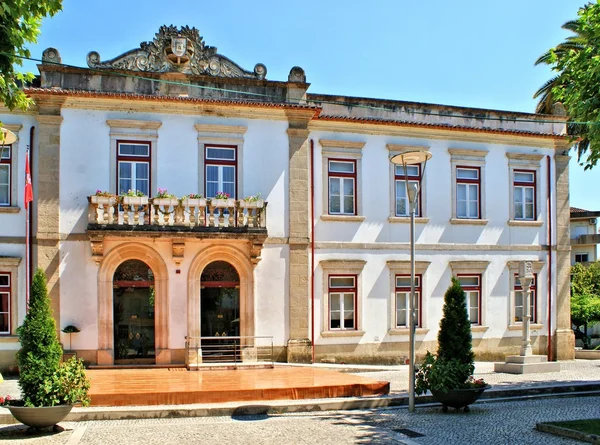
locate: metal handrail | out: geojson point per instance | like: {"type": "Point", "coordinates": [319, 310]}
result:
{"type": "Point", "coordinates": [230, 351]}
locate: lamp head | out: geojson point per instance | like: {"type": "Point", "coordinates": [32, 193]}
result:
{"type": "Point", "coordinates": [411, 157]}
{"type": "Point", "coordinates": [7, 137]}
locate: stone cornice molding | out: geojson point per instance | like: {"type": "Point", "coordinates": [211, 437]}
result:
{"type": "Point", "coordinates": [524, 156]}
{"type": "Point", "coordinates": [332, 143]}
{"type": "Point", "coordinates": [402, 148]}
{"type": "Point", "coordinates": [9, 261]}
{"type": "Point", "coordinates": [225, 129]}
{"type": "Point", "coordinates": [345, 265]}
{"type": "Point", "coordinates": [463, 153]}
{"type": "Point", "coordinates": [12, 127]}
{"type": "Point", "coordinates": [403, 267]}
{"type": "Point", "coordinates": [513, 266]}
{"type": "Point", "coordinates": [468, 266]}
{"type": "Point", "coordinates": [49, 119]}
{"type": "Point", "coordinates": [134, 123]}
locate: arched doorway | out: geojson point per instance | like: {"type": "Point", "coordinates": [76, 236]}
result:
{"type": "Point", "coordinates": [133, 313]}
{"type": "Point", "coordinates": [219, 309]}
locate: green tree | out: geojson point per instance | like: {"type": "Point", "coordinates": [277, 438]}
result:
{"type": "Point", "coordinates": [576, 62]}
{"type": "Point", "coordinates": [585, 299]}
{"type": "Point", "coordinates": [40, 353]}
{"type": "Point", "coordinates": [20, 22]}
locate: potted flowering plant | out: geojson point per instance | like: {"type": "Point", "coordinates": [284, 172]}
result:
{"type": "Point", "coordinates": [449, 374]}
{"type": "Point", "coordinates": [165, 199]}
{"type": "Point", "coordinates": [252, 201]}
{"type": "Point", "coordinates": [222, 199]}
{"type": "Point", "coordinates": [103, 198]}
{"type": "Point", "coordinates": [134, 198]}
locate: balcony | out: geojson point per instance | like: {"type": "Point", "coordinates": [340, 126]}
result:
{"type": "Point", "coordinates": [586, 239]}
{"type": "Point", "coordinates": [133, 216]}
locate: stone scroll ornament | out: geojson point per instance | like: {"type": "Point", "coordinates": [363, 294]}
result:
{"type": "Point", "coordinates": [177, 50]}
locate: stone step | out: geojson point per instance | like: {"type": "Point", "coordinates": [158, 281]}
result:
{"type": "Point", "coordinates": [527, 368]}
{"type": "Point", "coordinates": [526, 359]}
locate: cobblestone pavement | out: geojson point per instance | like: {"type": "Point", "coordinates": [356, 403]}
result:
{"type": "Point", "coordinates": [488, 423]}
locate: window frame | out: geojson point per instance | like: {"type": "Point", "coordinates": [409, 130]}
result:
{"type": "Point", "coordinates": [521, 184]}
{"type": "Point", "coordinates": [533, 299]}
{"type": "Point", "coordinates": [587, 256]}
{"type": "Point", "coordinates": [411, 178]}
{"type": "Point", "coordinates": [134, 159]}
{"type": "Point", "coordinates": [9, 163]}
{"type": "Point", "coordinates": [468, 181]}
{"type": "Point", "coordinates": [8, 291]}
{"type": "Point", "coordinates": [343, 291]}
{"type": "Point", "coordinates": [479, 289]}
{"type": "Point", "coordinates": [221, 162]}
{"type": "Point", "coordinates": [406, 289]}
{"type": "Point", "coordinates": [341, 176]}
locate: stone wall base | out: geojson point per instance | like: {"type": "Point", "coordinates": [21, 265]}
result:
{"type": "Point", "coordinates": [299, 351]}
{"type": "Point", "coordinates": [564, 344]}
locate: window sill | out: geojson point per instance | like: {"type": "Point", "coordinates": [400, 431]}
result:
{"type": "Point", "coordinates": [406, 331]}
{"type": "Point", "coordinates": [524, 223]}
{"type": "Point", "coordinates": [342, 333]}
{"type": "Point", "coordinates": [343, 218]}
{"type": "Point", "coordinates": [406, 219]}
{"type": "Point", "coordinates": [519, 327]}
{"type": "Point", "coordinates": [9, 339]}
{"type": "Point", "coordinates": [479, 328]}
{"type": "Point", "coordinates": [9, 209]}
{"type": "Point", "coordinates": [471, 222]}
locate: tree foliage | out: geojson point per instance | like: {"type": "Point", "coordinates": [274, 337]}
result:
{"type": "Point", "coordinates": [40, 353]}
{"type": "Point", "coordinates": [20, 22]}
{"type": "Point", "coordinates": [576, 62]}
{"type": "Point", "coordinates": [585, 299]}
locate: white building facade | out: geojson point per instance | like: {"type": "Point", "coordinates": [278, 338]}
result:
{"type": "Point", "coordinates": [323, 265]}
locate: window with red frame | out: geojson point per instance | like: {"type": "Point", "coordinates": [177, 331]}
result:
{"type": "Point", "coordinates": [5, 176]}
{"type": "Point", "coordinates": [413, 174]}
{"type": "Point", "coordinates": [468, 187]}
{"type": "Point", "coordinates": [220, 163]}
{"type": "Point", "coordinates": [133, 167]}
{"type": "Point", "coordinates": [342, 302]}
{"type": "Point", "coordinates": [524, 185]}
{"type": "Point", "coordinates": [342, 187]}
{"type": "Point", "coordinates": [520, 299]}
{"type": "Point", "coordinates": [5, 303]}
{"type": "Point", "coordinates": [471, 284]}
{"type": "Point", "coordinates": [403, 300]}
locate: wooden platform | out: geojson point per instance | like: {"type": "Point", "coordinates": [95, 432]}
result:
{"type": "Point", "coordinates": [177, 386]}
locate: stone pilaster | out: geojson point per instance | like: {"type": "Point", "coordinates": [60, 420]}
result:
{"type": "Point", "coordinates": [46, 208]}
{"type": "Point", "coordinates": [564, 339]}
{"type": "Point", "coordinates": [299, 350]}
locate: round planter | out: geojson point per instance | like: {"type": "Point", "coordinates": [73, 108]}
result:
{"type": "Point", "coordinates": [458, 398]}
{"type": "Point", "coordinates": [40, 417]}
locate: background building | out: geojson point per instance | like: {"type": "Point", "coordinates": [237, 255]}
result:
{"type": "Point", "coordinates": [584, 235]}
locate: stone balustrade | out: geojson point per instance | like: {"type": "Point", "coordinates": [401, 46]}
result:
{"type": "Point", "coordinates": [178, 213]}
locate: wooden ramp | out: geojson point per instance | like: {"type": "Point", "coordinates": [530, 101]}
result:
{"type": "Point", "coordinates": [177, 386]}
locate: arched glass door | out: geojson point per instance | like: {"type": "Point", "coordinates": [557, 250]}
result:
{"type": "Point", "coordinates": [133, 313]}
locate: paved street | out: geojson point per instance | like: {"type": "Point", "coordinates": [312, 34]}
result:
{"type": "Point", "coordinates": [488, 423]}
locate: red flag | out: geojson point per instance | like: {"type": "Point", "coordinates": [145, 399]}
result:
{"type": "Point", "coordinates": [28, 188]}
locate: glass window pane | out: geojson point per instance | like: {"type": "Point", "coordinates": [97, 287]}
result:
{"type": "Point", "coordinates": [348, 186]}
{"type": "Point", "coordinates": [401, 208]}
{"type": "Point", "coordinates": [212, 173]}
{"type": "Point", "coordinates": [348, 302]}
{"type": "Point", "coordinates": [461, 192]}
{"type": "Point", "coordinates": [141, 185]}
{"type": "Point", "coordinates": [341, 282]}
{"type": "Point", "coordinates": [134, 150]}
{"type": "Point", "coordinates": [334, 204]}
{"type": "Point", "coordinates": [473, 192]}
{"type": "Point", "coordinates": [348, 205]}
{"type": "Point", "coordinates": [518, 210]}
{"type": "Point", "coordinates": [473, 209]}
{"type": "Point", "coordinates": [229, 188]}
{"type": "Point", "coordinates": [125, 170]}
{"type": "Point", "coordinates": [212, 189]}
{"type": "Point", "coordinates": [141, 170]}
{"type": "Point", "coordinates": [411, 170]}
{"type": "Point", "coordinates": [4, 299]}
{"type": "Point", "coordinates": [5, 152]}
{"type": "Point", "coordinates": [474, 299]}
{"type": "Point", "coordinates": [474, 315]}
{"type": "Point", "coordinates": [228, 173]}
{"type": "Point", "coordinates": [467, 173]}
{"type": "Point", "coordinates": [402, 300]}
{"type": "Point", "coordinates": [334, 303]}
{"type": "Point", "coordinates": [341, 167]}
{"type": "Point", "coordinates": [4, 194]}
{"type": "Point", "coordinates": [401, 318]}
{"type": "Point", "coordinates": [4, 280]}
{"type": "Point", "coordinates": [4, 174]}
{"type": "Point", "coordinates": [124, 185]}
{"type": "Point", "coordinates": [349, 319]}
{"type": "Point", "coordinates": [334, 186]}
{"type": "Point", "coordinates": [529, 211]}
{"type": "Point", "coordinates": [518, 194]}
{"type": "Point", "coordinates": [4, 327]}
{"type": "Point", "coordinates": [461, 209]}
{"type": "Point", "coordinates": [523, 177]}
{"type": "Point", "coordinates": [227, 154]}
{"type": "Point", "coordinates": [518, 298]}
{"type": "Point", "coordinates": [528, 194]}
{"type": "Point", "coordinates": [403, 281]}
{"type": "Point", "coordinates": [400, 189]}
{"type": "Point", "coordinates": [468, 281]}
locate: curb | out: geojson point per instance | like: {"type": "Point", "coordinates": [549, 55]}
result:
{"type": "Point", "coordinates": [566, 432]}
{"type": "Point", "coordinates": [80, 414]}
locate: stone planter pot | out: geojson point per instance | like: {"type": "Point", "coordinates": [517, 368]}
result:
{"type": "Point", "coordinates": [165, 202]}
{"type": "Point", "coordinates": [103, 200]}
{"type": "Point", "coordinates": [458, 398]}
{"type": "Point", "coordinates": [194, 202]}
{"type": "Point", "coordinates": [40, 417]}
{"type": "Point", "coordinates": [135, 200]}
{"type": "Point", "coordinates": [252, 204]}
{"type": "Point", "coordinates": [229, 202]}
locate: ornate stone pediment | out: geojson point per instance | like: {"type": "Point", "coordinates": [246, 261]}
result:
{"type": "Point", "coordinates": [177, 50]}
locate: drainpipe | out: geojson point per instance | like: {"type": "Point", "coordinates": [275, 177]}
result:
{"type": "Point", "coordinates": [312, 246]}
{"type": "Point", "coordinates": [549, 259]}
{"type": "Point", "coordinates": [30, 212]}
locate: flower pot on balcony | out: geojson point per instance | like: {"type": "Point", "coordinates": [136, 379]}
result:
{"type": "Point", "coordinates": [194, 202]}
{"type": "Point", "coordinates": [228, 202]}
{"type": "Point", "coordinates": [258, 204]}
{"type": "Point", "coordinates": [103, 200]}
{"type": "Point", "coordinates": [458, 398]}
{"type": "Point", "coordinates": [165, 202]}
{"type": "Point", "coordinates": [40, 417]}
{"type": "Point", "coordinates": [135, 200]}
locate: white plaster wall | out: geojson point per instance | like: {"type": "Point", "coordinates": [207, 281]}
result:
{"type": "Point", "coordinates": [79, 294]}
{"type": "Point", "coordinates": [85, 163]}
{"type": "Point", "coordinates": [17, 251]}
{"type": "Point", "coordinates": [376, 191]}
{"type": "Point", "coordinates": [376, 305]}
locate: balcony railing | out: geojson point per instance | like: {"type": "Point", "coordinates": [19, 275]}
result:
{"type": "Point", "coordinates": [586, 239]}
{"type": "Point", "coordinates": [134, 211]}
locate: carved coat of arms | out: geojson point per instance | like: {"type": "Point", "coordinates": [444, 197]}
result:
{"type": "Point", "coordinates": [179, 45]}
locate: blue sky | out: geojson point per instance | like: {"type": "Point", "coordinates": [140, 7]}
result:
{"type": "Point", "coordinates": [474, 53]}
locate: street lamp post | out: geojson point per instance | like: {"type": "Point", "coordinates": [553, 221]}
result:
{"type": "Point", "coordinates": [412, 192]}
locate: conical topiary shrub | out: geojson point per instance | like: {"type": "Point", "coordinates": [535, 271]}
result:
{"type": "Point", "coordinates": [40, 353]}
